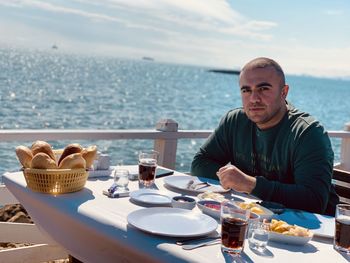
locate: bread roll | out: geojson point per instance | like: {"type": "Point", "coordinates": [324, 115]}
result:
{"type": "Point", "coordinates": [89, 154]}
{"type": "Point", "coordinates": [43, 161]}
{"type": "Point", "coordinates": [44, 147]}
{"type": "Point", "coordinates": [73, 161]}
{"type": "Point", "coordinates": [70, 149]}
{"type": "Point", "coordinates": [24, 155]}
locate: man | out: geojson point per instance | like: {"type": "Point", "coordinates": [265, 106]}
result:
{"type": "Point", "coordinates": [275, 151]}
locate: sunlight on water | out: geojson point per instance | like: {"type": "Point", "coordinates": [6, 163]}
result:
{"type": "Point", "coordinates": [56, 91]}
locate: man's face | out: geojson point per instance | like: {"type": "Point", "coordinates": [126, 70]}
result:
{"type": "Point", "coordinates": [262, 97]}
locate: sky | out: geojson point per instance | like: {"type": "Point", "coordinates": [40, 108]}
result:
{"type": "Point", "coordinates": [309, 37]}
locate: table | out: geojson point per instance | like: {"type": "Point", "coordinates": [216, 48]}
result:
{"type": "Point", "coordinates": [94, 228]}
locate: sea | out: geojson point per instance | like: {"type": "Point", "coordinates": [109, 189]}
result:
{"type": "Point", "coordinates": [54, 90]}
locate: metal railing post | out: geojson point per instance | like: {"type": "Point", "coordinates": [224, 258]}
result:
{"type": "Point", "coordinates": [345, 150]}
{"type": "Point", "coordinates": [166, 147]}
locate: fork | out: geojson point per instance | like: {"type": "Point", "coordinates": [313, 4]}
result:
{"type": "Point", "coordinates": [191, 185]}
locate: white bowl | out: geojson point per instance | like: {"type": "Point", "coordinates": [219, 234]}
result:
{"type": "Point", "coordinates": [184, 202]}
{"type": "Point", "coordinates": [212, 208]}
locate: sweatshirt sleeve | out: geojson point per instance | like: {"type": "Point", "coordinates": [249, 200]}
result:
{"type": "Point", "coordinates": [214, 153]}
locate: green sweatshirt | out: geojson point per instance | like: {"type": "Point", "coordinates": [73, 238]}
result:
{"type": "Point", "coordinates": [292, 162]}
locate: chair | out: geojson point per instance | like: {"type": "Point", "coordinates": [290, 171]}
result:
{"type": "Point", "coordinates": [341, 182]}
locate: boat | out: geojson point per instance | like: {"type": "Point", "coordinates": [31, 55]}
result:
{"type": "Point", "coordinates": [148, 58]}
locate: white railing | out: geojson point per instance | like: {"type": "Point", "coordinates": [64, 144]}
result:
{"type": "Point", "coordinates": [165, 138]}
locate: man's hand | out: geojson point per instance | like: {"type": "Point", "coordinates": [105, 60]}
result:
{"type": "Point", "coordinates": [233, 178]}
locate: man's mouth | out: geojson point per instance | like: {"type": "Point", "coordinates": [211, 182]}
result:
{"type": "Point", "coordinates": [256, 108]}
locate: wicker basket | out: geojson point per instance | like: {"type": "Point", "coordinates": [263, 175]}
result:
{"type": "Point", "coordinates": [55, 181]}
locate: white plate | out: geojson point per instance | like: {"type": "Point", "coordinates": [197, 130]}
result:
{"type": "Point", "coordinates": [174, 222]}
{"type": "Point", "coordinates": [152, 196]}
{"type": "Point", "coordinates": [180, 182]}
{"type": "Point", "coordinates": [267, 213]}
{"type": "Point", "coordinates": [294, 240]}
{"type": "Point", "coordinates": [321, 225]}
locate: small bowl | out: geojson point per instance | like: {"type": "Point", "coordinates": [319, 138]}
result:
{"type": "Point", "coordinates": [184, 202]}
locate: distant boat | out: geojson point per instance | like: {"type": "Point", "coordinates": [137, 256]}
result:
{"type": "Point", "coordinates": [54, 46]}
{"type": "Point", "coordinates": [148, 58]}
{"type": "Point", "coordinates": [225, 71]}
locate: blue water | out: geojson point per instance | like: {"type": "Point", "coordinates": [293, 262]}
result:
{"type": "Point", "coordinates": [64, 91]}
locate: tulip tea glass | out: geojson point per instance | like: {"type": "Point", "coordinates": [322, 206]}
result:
{"type": "Point", "coordinates": [342, 228]}
{"type": "Point", "coordinates": [234, 225]}
{"type": "Point", "coordinates": [121, 179]}
{"type": "Point", "coordinates": [258, 234]}
{"type": "Point", "coordinates": [147, 167]}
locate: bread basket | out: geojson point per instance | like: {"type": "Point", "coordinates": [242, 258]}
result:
{"type": "Point", "coordinates": [55, 181]}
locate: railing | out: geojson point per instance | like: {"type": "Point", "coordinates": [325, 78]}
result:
{"type": "Point", "coordinates": [165, 138]}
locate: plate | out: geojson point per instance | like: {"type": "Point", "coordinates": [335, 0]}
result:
{"type": "Point", "coordinates": [294, 240]}
{"type": "Point", "coordinates": [152, 196]}
{"type": "Point", "coordinates": [181, 182]}
{"type": "Point", "coordinates": [320, 225]}
{"type": "Point", "coordinates": [211, 211]}
{"type": "Point", "coordinates": [267, 214]}
{"type": "Point", "coordinates": [174, 222]}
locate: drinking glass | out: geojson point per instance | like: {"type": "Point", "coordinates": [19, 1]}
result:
{"type": "Point", "coordinates": [121, 179]}
{"type": "Point", "coordinates": [234, 225]}
{"type": "Point", "coordinates": [342, 228]}
{"type": "Point", "coordinates": [147, 167]}
{"type": "Point", "coordinates": [258, 235]}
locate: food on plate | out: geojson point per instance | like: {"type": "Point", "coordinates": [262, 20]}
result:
{"type": "Point", "coordinates": [208, 195]}
{"type": "Point", "coordinates": [24, 155]}
{"type": "Point", "coordinates": [70, 149]}
{"type": "Point", "coordinates": [41, 156]}
{"type": "Point", "coordinates": [253, 208]}
{"type": "Point", "coordinates": [89, 154]}
{"type": "Point", "coordinates": [43, 161]}
{"type": "Point", "coordinates": [73, 161]}
{"type": "Point", "coordinates": [284, 228]}
{"type": "Point", "coordinates": [44, 147]}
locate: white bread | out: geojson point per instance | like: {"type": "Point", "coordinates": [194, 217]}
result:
{"type": "Point", "coordinates": [42, 146]}
{"type": "Point", "coordinates": [70, 149]}
{"type": "Point", "coordinates": [89, 154]}
{"type": "Point", "coordinates": [24, 155]}
{"type": "Point", "coordinates": [73, 161]}
{"type": "Point", "coordinates": [43, 161]}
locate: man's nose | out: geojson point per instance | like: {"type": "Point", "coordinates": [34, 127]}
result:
{"type": "Point", "coordinates": [254, 96]}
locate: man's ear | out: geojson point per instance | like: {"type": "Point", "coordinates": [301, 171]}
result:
{"type": "Point", "coordinates": [285, 90]}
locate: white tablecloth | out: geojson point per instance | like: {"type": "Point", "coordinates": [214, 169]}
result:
{"type": "Point", "coordinates": [94, 228]}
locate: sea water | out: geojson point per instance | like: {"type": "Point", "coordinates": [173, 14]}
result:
{"type": "Point", "coordinates": [50, 90]}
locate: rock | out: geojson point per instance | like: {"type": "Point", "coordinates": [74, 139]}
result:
{"type": "Point", "coordinates": [14, 213]}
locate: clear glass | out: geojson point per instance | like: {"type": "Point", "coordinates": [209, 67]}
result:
{"type": "Point", "coordinates": [342, 228]}
{"type": "Point", "coordinates": [258, 235]}
{"type": "Point", "coordinates": [234, 225]}
{"type": "Point", "coordinates": [147, 167]}
{"type": "Point", "coordinates": [121, 179]}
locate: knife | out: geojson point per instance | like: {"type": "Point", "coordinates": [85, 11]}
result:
{"type": "Point", "coordinates": [202, 244]}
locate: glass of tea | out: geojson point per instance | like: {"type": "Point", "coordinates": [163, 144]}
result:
{"type": "Point", "coordinates": [147, 167]}
{"type": "Point", "coordinates": [342, 228]}
{"type": "Point", "coordinates": [234, 225]}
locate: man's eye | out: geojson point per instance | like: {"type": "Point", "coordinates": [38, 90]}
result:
{"type": "Point", "coordinates": [264, 88]}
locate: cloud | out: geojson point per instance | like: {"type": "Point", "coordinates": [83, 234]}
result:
{"type": "Point", "coordinates": [163, 16]}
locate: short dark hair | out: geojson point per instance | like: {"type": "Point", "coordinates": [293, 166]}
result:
{"type": "Point", "coordinates": [263, 62]}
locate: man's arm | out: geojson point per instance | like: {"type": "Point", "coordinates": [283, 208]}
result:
{"type": "Point", "coordinates": [214, 153]}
